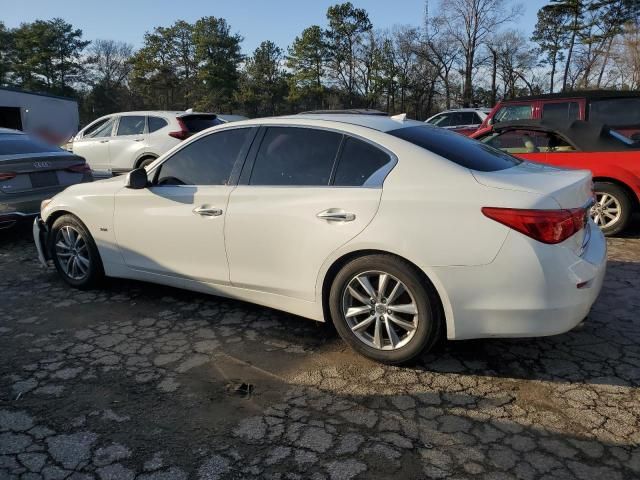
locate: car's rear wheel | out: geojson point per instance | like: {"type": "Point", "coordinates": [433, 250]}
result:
{"type": "Point", "coordinates": [382, 308]}
{"type": "Point", "coordinates": [74, 253]}
{"type": "Point", "coordinates": [612, 209]}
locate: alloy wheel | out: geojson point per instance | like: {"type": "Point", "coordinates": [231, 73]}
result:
{"type": "Point", "coordinates": [606, 211]}
{"type": "Point", "coordinates": [72, 253]}
{"type": "Point", "coordinates": [380, 310]}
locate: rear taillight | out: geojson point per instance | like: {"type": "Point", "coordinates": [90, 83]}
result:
{"type": "Point", "coordinates": [546, 226]}
{"type": "Point", "coordinates": [7, 175]}
{"type": "Point", "coordinates": [80, 168]}
{"type": "Point", "coordinates": [181, 134]}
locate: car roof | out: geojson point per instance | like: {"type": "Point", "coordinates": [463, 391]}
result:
{"type": "Point", "coordinates": [585, 136]}
{"type": "Point", "coordinates": [159, 112]}
{"type": "Point", "coordinates": [469, 109]}
{"type": "Point", "coordinates": [381, 123]}
{"type": "Point", "coordinates": [588, 94]}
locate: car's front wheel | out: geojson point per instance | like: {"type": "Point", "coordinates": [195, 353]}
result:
{"type": "Point", "coordinates": [612, 209]}
{"type": "Point", "coordinates": [74, 253]}
{"type": "Point", "coordinates": [383, 309]}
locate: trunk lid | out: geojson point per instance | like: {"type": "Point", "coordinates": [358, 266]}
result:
{"type": "Point", "coordinates": [571, 189]}
{"type": "Point", "coordinates": [35, 171]}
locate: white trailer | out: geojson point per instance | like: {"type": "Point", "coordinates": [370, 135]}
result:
{"type": "Point", "coordinates": [48, 116]}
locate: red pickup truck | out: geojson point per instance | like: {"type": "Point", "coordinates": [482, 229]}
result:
{"type": "Point", "coordinates": [617, 109]}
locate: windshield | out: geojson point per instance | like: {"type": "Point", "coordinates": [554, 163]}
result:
{"type": "Point", "coordinates": [457, 148]}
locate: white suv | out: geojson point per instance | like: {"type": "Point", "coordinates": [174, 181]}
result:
{"type": "Point", "coordinates": [120, 142]}
{"type": "Point", "coordinates": [460, 120]}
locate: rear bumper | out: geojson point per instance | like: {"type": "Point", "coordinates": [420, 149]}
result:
{"type": "Point", "coordinates": [40, 237]}
{"type": "Point", "coordinates": [530, 290]}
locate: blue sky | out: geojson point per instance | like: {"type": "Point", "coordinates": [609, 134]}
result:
{"type": "Point", "coordinates": [256, 20]}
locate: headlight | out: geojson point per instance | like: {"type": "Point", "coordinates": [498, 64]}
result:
{"type": "Point", "coordinates": [44, 203]}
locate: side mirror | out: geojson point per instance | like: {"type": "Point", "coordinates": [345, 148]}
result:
{"type": "Point", "coordinates": [137, 179]}
{"type": "Point", "coordinates": [490, 121]}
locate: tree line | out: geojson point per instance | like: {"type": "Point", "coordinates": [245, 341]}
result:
{"type": "Point", "coordinates": [465, 53]}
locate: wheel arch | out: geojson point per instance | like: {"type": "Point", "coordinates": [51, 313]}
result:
{"type": "Point", "coordinates": [144, 157]}
{"type": "Point", "coordinates": [630, 192]}
{"type": "Point", "coordinates": [444, 306]}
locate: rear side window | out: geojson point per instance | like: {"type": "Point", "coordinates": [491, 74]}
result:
{"type": "Point", "coordinates": [131, 125]}
{"type": "Point", "coordinates": [561, 111]}
{"type": "Point", "coordinates": [197, 123]}
{"type": "Point", "coordinates": [295, 156]}
{"type": "Point", "coordinates": [457, 148]}
{"type": "Point", "coordinates": [513, 112]}
{"type": "Point", "coordinates": [467, 118]}
{"type": "Point", "coordinates": [22, 144]}
{"type": "Point", "coordinates": [156, 123]}
{"type": "Point", "coordinates": [616, 112]}
{"type": "Point", "coordinates": [359, 162]}
{"type": "Point", "coordinates": [206, 161]}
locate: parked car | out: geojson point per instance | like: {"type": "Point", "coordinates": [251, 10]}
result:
{"type": "Point", "coordinates": [32, 170]}
{"type": "Point", "coordinates": [613, 159]}
{"type": "Point", "coordinates": [289, 212]}
{"type": "Point", "coordinates": [120, 142]}
{"type": "Point", "coordinates": [462, 120]}
{"type": "Point", "coordinates": [618, 109]}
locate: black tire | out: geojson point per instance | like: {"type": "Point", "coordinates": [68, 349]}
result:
{"type": "Point", "coordinates": [623, 200]}
{"type": "Point", "coordinates": [94, 272]}
{"type": "Point", "coordinates": [145, 161]}
{"type": "Point", "coordinates": [429, 321]}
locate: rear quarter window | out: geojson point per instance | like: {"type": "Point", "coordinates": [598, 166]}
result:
{"type": "Point", "coordinates": [616, 112]}
{"type": "Point", "coordinates": [457, 148]}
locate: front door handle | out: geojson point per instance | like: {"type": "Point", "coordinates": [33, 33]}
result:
{"type": "Point", "coordinates": [104, 141]}
{"type": "Point", "coordinates": [138, 139]}
{"type": "Point", "coordinates": [207, 211]}
{"type": "Point", "coordinates": [336, 215]}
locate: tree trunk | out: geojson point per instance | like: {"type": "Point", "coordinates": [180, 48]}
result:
{"type": "Point", "coordinates": [570, 52]}
{"type": "Point", "coordinates": [494, 76]}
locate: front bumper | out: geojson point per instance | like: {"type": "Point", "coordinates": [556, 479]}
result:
{"type": "Point", "coordinates": [529, 290]}
{"type": "Point", "coordinates": [40, 237]}
{"type": "Point", "coordinates": [9, 219]}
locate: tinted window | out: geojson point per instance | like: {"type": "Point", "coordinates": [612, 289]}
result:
{"type": "Point", "coordinates": [102, 129]}
{"type": "Point", "coordinates": [359, 161]}
{"type": "Point", "coordinates": [21, 144]}
{"type": "Point", "coordinates": [466, 118]}
{"type": "Point", "coordinates": [197, 123]}
{"type": "Point", "coordinates": [562, 112]}
{"type": "Point", "coordinates": [457, 148]}
{"type": "Point", "coordinates": [156, 123]}
{"type": "Point", "coordinates": [513, 112]}
{"type": "Point", "coordinates": [616, 112]}
{"type": "Point", "coordinates": [130, 125]}
{"type": "Point", "coordinates": [207, 161]}
{"type": "Point", "coordinates": [295, 156]}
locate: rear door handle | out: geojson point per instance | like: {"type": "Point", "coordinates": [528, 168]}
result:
{"type": "Point", "coordinates": [206, 211]}
{"type": "Point", "coordinates": [336, 215]}
{"type": "Point", "coordinates": [138, 139]}
{"type": "Point", "coordinates": [104, 141]}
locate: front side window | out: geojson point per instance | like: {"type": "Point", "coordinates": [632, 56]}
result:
{"type": "Point", "coordinates": [101, 129]}
{"type": "Point", "coordinates": [457, 148]}
{"type": "Point", "coordinates": [206, 161]}
{"type": "Point", "coordinates": [616, 112]}
{"type": "Point", "coordinates": [131, 125]}
{"type": "Point", "coordinates": [295, 156]}
{"type": "Point", "coordinates": [509, 113]}
{"type": "Point", "coordinates": [443, 120]}
{"type": "Point", "coordinates": [561, 111]}
{"type": "Point", "coordinates": [358, 164]}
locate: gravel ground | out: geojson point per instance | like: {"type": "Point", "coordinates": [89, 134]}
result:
{"type": "Point", "coordinates": [136, 381]}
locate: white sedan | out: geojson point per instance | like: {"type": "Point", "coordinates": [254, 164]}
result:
{"type": "Point", "coordinates": [398, 232]}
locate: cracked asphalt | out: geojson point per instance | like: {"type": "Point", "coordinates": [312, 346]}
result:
{"type": "Point", "coordinates": [138, 381]}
